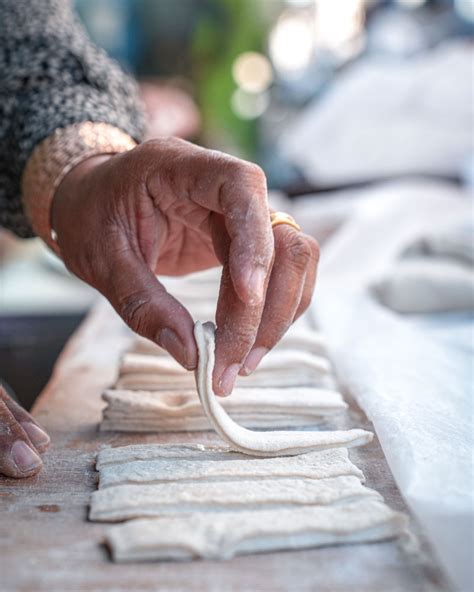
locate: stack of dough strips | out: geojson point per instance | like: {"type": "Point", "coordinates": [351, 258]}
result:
{"type": "Point", "coordinates": [293, 386]}
{"type": "Point", "coordinates": [267, 491]}
{"type": "Point", "coordinates": [188, 501]}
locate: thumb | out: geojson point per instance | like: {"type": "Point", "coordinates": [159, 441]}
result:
{"type": "Point", "coordinates": [147, 308]}
{"type": "Point", "coordinates": [18, 457]}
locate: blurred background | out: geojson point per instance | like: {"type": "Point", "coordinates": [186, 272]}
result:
{"type": "Point", "coordinates": [326, 95]}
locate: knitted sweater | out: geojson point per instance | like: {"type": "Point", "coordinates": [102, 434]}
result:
{"type": "Point", "coordinates": [51, 76]}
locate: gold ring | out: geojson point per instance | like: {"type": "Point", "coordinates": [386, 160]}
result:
{"type": "Point", "coordinates": [277, 218]}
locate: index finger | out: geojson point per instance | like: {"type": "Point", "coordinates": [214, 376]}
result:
{"type": "Point", "coordinates": [237, 321]}
{"type": "Point", "coordinates": [243, 199]}
{"type": "Point", "coordinates": [237, 190]}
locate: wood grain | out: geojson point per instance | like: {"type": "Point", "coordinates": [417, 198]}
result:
{"type": "Point", "coordinates": [47, 543]}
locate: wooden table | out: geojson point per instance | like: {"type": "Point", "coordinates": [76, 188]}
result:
{"type": "Point", "coordinates": [47, 543]}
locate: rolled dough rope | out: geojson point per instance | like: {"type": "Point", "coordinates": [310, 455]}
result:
{"type": "Point", "coordinates": [236, 533]}
{"type": "Point", "coordinates": [278, 443]}
{"type": "Point", "coordinates": [123, 502]}
{"type": "Point", "coordinates": [314, 465]}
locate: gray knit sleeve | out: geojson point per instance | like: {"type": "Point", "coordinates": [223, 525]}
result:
{"type": "Point", "coordinates": [51, 76]}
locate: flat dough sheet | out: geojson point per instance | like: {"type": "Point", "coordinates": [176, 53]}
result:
{"type": "Point", "coordinates": [123, 502]}
{"type": "Point", "coordinates": [272, 443]}
{"type": "Point", "coordinates": [199, 452]}
{"type": "Point", "coordinates": [140, 381]}
{"type": "Point", "coordinates": [224, 535]}
{"type": "Point", "coordinates": [299, 400]}
{"type": "Point", "coordinates": [123, 423]}
{"type": "Point", "coordinates": [314, 465]}
{"type": "Point", "coordinates": [276, 361]}
{"type": "Point", "coordinates": [165, 411]}
{"type": "Point", "coordinates": [299, 339]}
{"type": "Point", "coordinates": [278, 369]}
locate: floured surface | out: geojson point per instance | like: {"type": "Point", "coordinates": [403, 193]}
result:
{"type": "Point", "coordinates": [201, 535]}
{"type": "Point", "coordinates": [273, 443]}
{"type": "Point", "coordinates": [315, 465]}
{"type": "Point", "coordinates": [47, 545]}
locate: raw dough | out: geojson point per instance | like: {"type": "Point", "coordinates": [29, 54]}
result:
{"type": "Point", "coordinates": [298, 400]}
{"type": "Point", "coordinates": [277, 443]}
{"type": "Point", "coordinates": [123, 423]}
{"type": "Point", "coordinates": [228, 534]}
{"type": "Point", "coordinates": [279, 368]}
{"type": "Point", "coordinates": [288, 378]}
{"type": "Point", "coordinates": [122, 502]}
{"type": "Point", "coordinates": [125, 454]}
{"type": "Point", "coordinates": [276, 361]}
{"type": "Point", "coordinates": [165, 411]}
{"type": "Point", "coordinates": [299, 339]}
{"type": "Point", "coordinates": [314, 465]}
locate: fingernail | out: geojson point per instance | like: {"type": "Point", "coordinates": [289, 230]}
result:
{"type": "Point", "coordinates": [228, 377]}
{"type": "Point", "coordinates": [35, 434]}
{"type": "Point", "coordinates": [253, 360]}
{"type": "Point", "coordinates": [24, 457]}
{"type": "Point", "coordinates": [256, 285]}
{"type": "Point", "coordinates": [168, 339]}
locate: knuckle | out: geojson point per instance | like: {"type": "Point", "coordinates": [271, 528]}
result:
{"type": "Point", "coordinates": [133, 308]}
{"type": "Point", "coordinates": [315, 248]}
{"type": "Point", "coordinates": [256, 173]}
{"type": "Point", "coordinates": [249, 172]}
{"type": "Point", "coordinates": [298, 250]}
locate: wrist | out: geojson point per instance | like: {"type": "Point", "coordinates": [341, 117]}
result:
{"type": "Point", "coordinates": [70, 190]}
{"type": "Point", "coordinates": [54, 158]}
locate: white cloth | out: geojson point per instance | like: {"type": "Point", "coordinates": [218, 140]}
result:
{"type": "Point", "coordinates": [433, 274]}
{"type": "Point", "coordinates": [413, 377]}
{"type": "Point", "coordinates": [424, 285]}
{"type": "Point", "coordinates": [384, 118]}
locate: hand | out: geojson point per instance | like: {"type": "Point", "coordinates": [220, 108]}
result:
{"type": "Point", "coordinates": [171, 207]}
{"type": "Point", "coordinates": [21, 439]}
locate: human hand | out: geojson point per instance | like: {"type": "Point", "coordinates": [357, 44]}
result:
{"type": "Point", "coordinates": [170, 207]}
{"type": "Point", "coordinates": [21, 439]}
